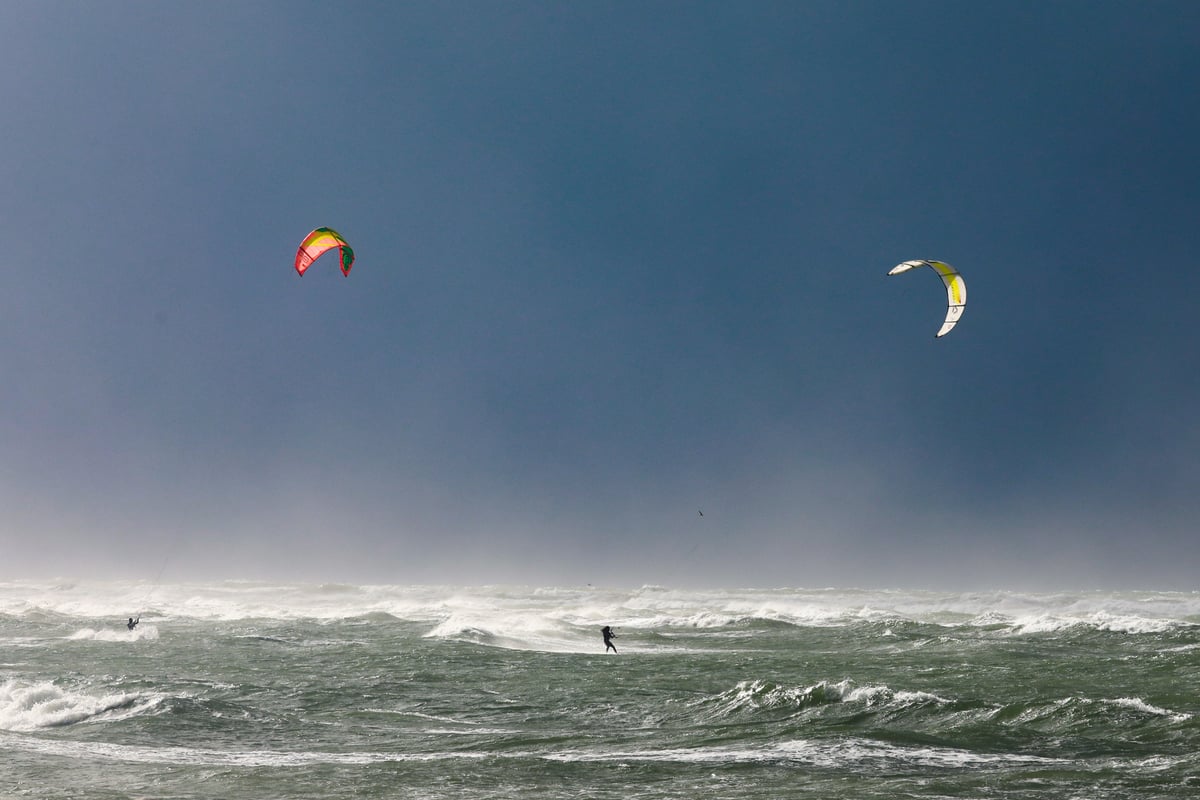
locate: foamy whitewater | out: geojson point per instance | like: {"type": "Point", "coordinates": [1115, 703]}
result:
{"type": "Point", "coordinates": [252, 690]}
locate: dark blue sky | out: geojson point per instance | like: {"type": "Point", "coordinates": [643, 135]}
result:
{"type": "Point", "coordinates": [617, 262]}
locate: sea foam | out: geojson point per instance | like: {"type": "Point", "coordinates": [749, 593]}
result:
{"type": "Point", "coordinates": [31, 706]}
{"type": "Point", "coordinates": [563, 616]}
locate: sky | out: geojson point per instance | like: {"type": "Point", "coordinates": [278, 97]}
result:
{"type": "Point", "coordinates": [620, 312]}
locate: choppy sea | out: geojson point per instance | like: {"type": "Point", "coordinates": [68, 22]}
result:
{"type": "Point", "coordinates": [252, 690]}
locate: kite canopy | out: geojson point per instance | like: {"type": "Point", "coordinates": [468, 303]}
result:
{"type": "Point", "coordinates": [317, 243]}
{"type": "Point", "coordinates": [956, 289]}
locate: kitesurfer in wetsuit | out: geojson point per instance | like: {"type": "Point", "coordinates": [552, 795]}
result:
{"type": "Point", "coordinates": [133, 623]}
{"type": "Point", "coordinates": [608, 637]}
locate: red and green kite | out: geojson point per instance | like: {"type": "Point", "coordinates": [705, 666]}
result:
{"type": "Point", "coordinates": [317, 243]}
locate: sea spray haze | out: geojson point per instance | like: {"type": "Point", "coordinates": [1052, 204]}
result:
{"type": "Point", "coordinates": [336, 691]}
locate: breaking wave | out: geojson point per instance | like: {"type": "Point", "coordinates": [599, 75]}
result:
{"type": "Point", "coordinates": [33, 706]}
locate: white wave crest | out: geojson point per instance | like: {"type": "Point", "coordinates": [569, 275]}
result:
{"type": "Point", "coordinates": [27, 707]}
{"type": "Point", "coordinates": [648, 608]}
{"type": "Point", "coordinates": [825, 754]}
{"type": "Point", "coordinates": [140, 633]}
{"type": "Point", "coordinates": [1096, 620]}
{"type": "Point", "coordinates": [848, 753]}
{"type": "Point", "coordinates": [1140, 705]}
{"type": "Point", "coordinates": [757, 694]}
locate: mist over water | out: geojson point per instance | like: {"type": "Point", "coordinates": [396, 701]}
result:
{"type": "Point", "coordinates": [286, 690]}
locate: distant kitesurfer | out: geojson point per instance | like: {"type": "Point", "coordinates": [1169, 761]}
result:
{"type": "Point", "coordinates": [133, 622]}
{"type": "Point", "coordinates": [608, 637]}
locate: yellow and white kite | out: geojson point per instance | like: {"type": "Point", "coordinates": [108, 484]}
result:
{"type": "Point", "coordinates": [956, 289]}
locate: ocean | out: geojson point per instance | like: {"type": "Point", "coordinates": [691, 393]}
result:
{"type": "Point", "coordinates": [256, 690]}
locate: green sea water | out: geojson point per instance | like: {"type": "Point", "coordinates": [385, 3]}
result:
{"type": "Point", "coordinates": [287, 691]}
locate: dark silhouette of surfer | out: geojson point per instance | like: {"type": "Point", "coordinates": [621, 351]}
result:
{"type": "Point", "coordinates": [608, 637]}
{"type": "Point", "coordinates": [133, 623]}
